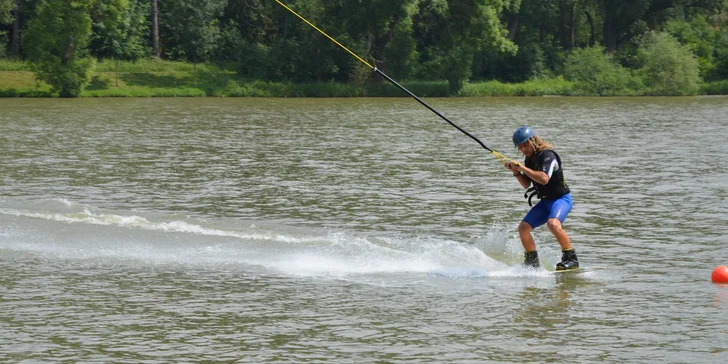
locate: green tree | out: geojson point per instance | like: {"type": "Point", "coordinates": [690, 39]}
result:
{"type": "Point", "coordinates": [56, 42]}
{"type": "Point", "coordinates": [542, 30]}
{"type": "Point", "coordinates": [428, 23]}
{"type": "Point", "coordinates": [252, 19]}
{"type": "Point", "coordinates": [298, 53]}
{"type": "Point", "coordinates": [625, 19]}
{"type": "Point", "coordinates": [118, 30]}
{"type": "Point", "coordinates": [156, 50]}
{"type": "Point", "coordinates": [5, 7]}
{"type": "Point", "coordinates": [23, 10]}
{"type": "Point", "coordinates": [703, 40]}
{"type": "Point", "coordinates": [382, 27]}
{"type": "Point", "coordinates": [470, 27]}
{"type": "Point", "coordinates": [618, 19]}
{"type": "Point", "coordinates": [192, 27]}
{"type": "Point", "coordinates": [668, 67]}
{"type": "Point", "coordinates": [5, 18]}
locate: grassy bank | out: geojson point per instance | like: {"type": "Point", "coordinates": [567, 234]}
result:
{"type": "Point", "coordinates": [155, 78]}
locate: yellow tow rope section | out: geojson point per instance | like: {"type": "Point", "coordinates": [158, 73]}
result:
{"type": "Point", "coordinates": [501, 158]}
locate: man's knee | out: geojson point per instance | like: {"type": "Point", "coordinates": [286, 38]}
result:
{"type": "Point", "coordinates": [524, 228]}
{"type": "Point", "coordinates": [553, 224]}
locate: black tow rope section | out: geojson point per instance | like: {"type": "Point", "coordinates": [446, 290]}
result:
{"type": "Point", "coordinates": [498, 155]}
{"type": "Point", "coordinates": [533, 192]}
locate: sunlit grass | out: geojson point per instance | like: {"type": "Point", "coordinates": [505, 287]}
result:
{"type": "Point", "coordinates": [13, 65]}
{"type": "Point", "coordinates": [550, 87]}
{"type": "Point", "coordinates": [22, 84]}
{"type": "Point", "coordinates": [158, 65]}
{"type": "Point", "coordinates": [134, 91]}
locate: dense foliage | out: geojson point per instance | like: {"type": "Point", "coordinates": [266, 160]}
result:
{"type": "Point", "coordinates": [57, 45]}
{"type": "Point", "coordinates": [605, 47]}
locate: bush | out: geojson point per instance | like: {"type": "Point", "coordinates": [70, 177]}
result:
{"type": "Point", "coordinates": [667, 67]}
{"type": "Point", "coordinates": [715, 88]}
{"type": "Point", "coordinates": [594, 73]}
{"type": "Point", "coordinates": [68, 79]}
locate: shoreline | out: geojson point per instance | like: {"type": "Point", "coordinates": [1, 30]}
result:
{"type": "Point", "coordinates": [177, 80]}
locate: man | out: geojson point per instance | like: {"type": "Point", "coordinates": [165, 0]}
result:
{"type": "Point", "coordinates": [542, 169]}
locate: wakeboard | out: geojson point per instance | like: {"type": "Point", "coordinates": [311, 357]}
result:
{"type": "Point", "coordinates": [580, 270]}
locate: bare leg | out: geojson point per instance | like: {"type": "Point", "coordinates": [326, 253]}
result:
{"type": "Point", "coordinates": [555, 228]}
{"type": "Point", "coordinates": [524, 232]}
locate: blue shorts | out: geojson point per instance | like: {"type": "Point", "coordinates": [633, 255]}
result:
{"type": "Point", "coordinates": [547, 209]}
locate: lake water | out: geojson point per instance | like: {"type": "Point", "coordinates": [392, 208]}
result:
{"type": "Point", "coordinates": [356, 230]}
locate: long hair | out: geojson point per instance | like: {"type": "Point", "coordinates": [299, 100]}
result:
{"type": "Point", "coordinates": [539, 145]}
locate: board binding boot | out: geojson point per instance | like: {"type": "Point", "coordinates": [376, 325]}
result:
{"type": "Point", "coordinates": [568, 261]}
{"type": "Point", "coordinates": [530, 260]}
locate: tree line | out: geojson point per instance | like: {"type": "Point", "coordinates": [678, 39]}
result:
{"type": "Point", "coordinates": [605, 46]}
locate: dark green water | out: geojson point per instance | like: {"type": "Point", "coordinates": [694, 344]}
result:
{"type": "Point", "coordinates": [356, 230]}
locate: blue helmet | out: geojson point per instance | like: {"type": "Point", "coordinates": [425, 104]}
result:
{"type": "Point", "coordinates": [522, 135]}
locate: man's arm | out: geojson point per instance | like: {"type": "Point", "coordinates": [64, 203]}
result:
{"type": "Point", "coordinates": [537, 176]}
{"type": "Point", "coordinates": [523, 179]}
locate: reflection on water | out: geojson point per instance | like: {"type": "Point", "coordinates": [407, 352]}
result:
{"type": "Point", "coordinates": [721, 297]}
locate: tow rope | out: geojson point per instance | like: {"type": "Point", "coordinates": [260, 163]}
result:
{"type": "Point", "coordinates": [501, 158]}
